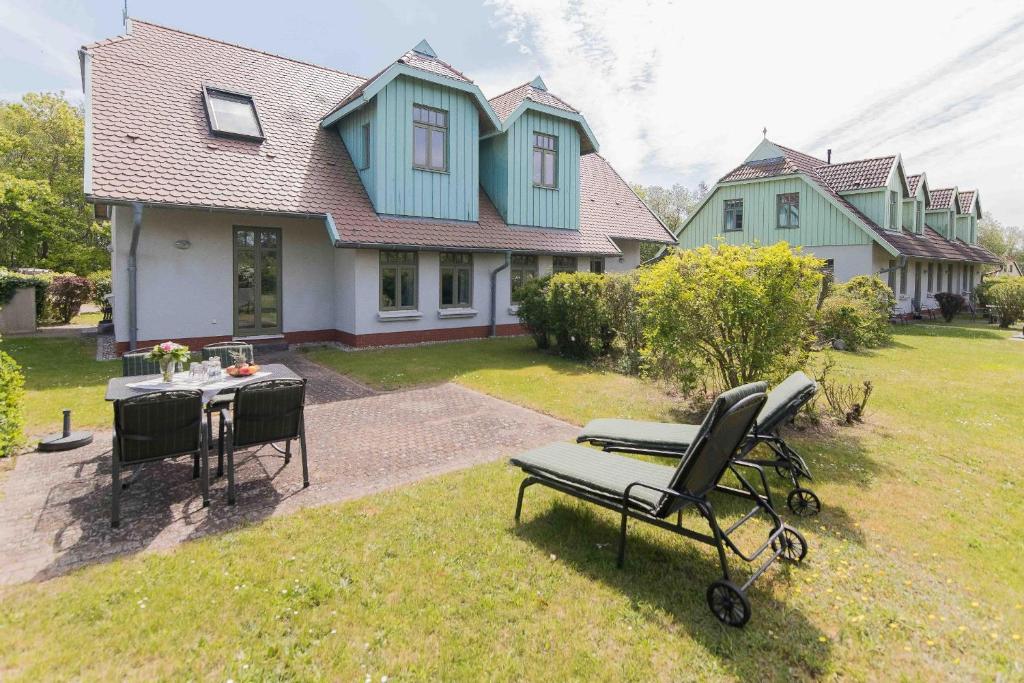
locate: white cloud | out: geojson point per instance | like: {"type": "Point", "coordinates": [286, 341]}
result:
{"type": "Point", "coordinates": [25, 29]}
{"type": "Point", "coordinates": [680, 91]}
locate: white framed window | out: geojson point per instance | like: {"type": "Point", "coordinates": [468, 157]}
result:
{"type": "Point", "coordinates": [398, 280]}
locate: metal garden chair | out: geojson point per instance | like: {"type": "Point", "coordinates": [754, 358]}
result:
{"type": "Point", "coordinates": [226, 350]}
{"type": "Point", "coordinates": [266, 412]}
{"type": "Point", "coordinates": [135, 363]}
{"type": "Point", "coordinates": [653, 493]}
{"type": "Point", "coordinates": [158, 426]}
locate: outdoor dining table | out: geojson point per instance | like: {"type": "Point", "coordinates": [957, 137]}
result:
{"type": "Point", "coordinates": [125, 387]}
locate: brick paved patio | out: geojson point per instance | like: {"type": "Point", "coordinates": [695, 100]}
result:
{"type": "Point", "coordinates": [54, 507]}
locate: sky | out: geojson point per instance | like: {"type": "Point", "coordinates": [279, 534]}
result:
{"type": "Point", "coordinates": [676, 92]}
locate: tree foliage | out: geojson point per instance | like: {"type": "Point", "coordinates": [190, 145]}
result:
{"type": "Point", "coordinates": [736, 313]}
{"type": "Point", "coordinates": [44, 219]}
{"type": "Point", "coordinates": [1006, 242]}
{"type": "Point", "coordinates": [12, 398]}
{"type": "Point", "coordinates": [1007, 296]}
{"type": "Point", "coordinates": [672, 205]}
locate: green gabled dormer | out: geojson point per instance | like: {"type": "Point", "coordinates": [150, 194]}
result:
{"type": "Point", "coordinates": [914, 208]}
{"type": "Point", "coordinates": [413, 132]}
{"type": "Point", "coordinates": [877, 187]}
{"type": "Point", "coordinates": [530, 168]}
{"type": "Point", "coordinates": [941, 213]}
{"type": "Point", "coordinates": [967, 219]}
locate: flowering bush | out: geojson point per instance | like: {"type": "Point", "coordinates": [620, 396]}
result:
{"type": "Point", "coordinates": [66, 295]}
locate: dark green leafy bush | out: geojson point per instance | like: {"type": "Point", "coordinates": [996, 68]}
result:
{"type": "Point", "coordinates": [625, 318]}
{"type": "Point", "coordinates": [578, 314]}
{"type": "Point", "coordinates": [66, 294]}
{"type": "Point", "coordinates": [12, 394]}
{"type": "Point", "coordinates": [1008, 298]}
{"type": "Point", "coordinates": [101, 286]}
{"type": "Point", "coordinates": [949, 304]}
{"type": "Point", "coordinates": [533, 310]}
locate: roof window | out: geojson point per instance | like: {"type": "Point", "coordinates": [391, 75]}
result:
{"type": "Point", "coordinates": [232, 113]}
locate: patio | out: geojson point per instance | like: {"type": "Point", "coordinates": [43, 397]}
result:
{"type": "Point", "coordinates": [56, 505]}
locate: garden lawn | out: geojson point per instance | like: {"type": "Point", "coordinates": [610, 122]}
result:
{"type": "Point", "coordinates": [913, 570]}
{"type": "Point", "coordinates": [62, 372]}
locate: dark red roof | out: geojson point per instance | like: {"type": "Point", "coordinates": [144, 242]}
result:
{"type": "Point", "coordinates": [857, 175]}
{"type": "Point", "coordinates": [151, 143]}
{"type": "Point", "coordinates": [966, 201]}
{"type": "Point", "coordinates": [507, 102]}
{"type": "Point", "coordinates": [942, 198]}
{"type": "Point", "coordinates": [912, 183]}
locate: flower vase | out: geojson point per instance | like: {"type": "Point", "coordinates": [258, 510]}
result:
{"type": "Point", "coordinates": [167, 366]}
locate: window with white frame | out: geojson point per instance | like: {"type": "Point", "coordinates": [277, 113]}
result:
{"type": "Point", "coordinates": [456, 280]}
{"type": "Point", "coordinates": [398, 280]}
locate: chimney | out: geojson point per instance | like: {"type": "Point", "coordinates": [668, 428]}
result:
{"type": "Point", "coordinates": [829, 157]}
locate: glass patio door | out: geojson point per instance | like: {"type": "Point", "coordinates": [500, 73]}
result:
{"type": "Point", "coordinates": [257, 278]}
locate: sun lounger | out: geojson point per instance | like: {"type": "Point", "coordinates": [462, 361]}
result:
{"type": "Point", "coordinates": [653, 493]}
{"type": "Point", "coordinates": [672, 440]}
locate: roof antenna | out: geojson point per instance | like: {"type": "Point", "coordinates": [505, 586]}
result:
{"type": "Point", "coordinates": [124, 14]}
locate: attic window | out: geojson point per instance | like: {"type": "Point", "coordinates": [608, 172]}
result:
{"type": "Point", "coordinates": [232, 114]}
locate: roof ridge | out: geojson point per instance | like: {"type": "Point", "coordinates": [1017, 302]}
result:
{"type": "Point", "coordinates": [860, 161]}
{"type": "Point", "coordinates": [242, 47]}
{"type": "Point", "coordinates": [436, 59]}
{"type": "Point", "coordinates": [796, 151]}
{"type": "Point", "coordinates": [529, 84]}
{"type": "Point", "coordinates": [521, 85]}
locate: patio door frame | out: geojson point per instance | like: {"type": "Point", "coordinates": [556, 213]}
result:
{"type": "Point", "coordinates": [256, 330]}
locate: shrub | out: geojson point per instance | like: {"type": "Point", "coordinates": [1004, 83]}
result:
{"type": "Point", "coordinates": [101, 286]}
{"type": "Point", "coordinates": [949, 304]}
{"type": "Point", "coordinates": [533, 310]}
{"type": "Point", "coordinates": [981, 291]}
{"type": "Point", "coordinates": [858, 313]}
{"type": "Point", "coordinates": [625, 317]}
{"type": "Point", "coordinates": [12, 393]}
{"type": "Point", "coordinates": [1008, 298]}
{"type": "Point", "coordinates": [66, 295]}
{"type": "Point", "coordinates": [846, 403]}
{"type": "Point", "coordinates": [578, 314]}
{"type": "Point", "coordinates": [733, 314]}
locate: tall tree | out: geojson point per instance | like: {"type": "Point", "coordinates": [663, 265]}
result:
{"type": "Point", "coordinates": [42, 142]}
{"type": "Point", "coordinates": [672, 205]}
{"type": "Point", "coordinates": [1005, 241]}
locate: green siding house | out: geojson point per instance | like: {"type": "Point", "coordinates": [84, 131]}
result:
{"type": "Point", "coordinates": [863, 217]}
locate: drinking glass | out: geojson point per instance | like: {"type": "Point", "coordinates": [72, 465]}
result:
{"type": "Point", "coordinates": [213, 367]}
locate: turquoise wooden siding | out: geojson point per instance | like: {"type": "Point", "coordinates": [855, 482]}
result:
{"type": "Point", "coordinates": [939, 221]}
{"type": "Point", "coordinates": [963, 228]}
{"type": "Point", "coordinates": [350, 129]}
{"type": "Point", "coordinates": [874, 205]}
{"type": "Point", "coordinates": [524, 203]}
{"type": "Point", "coordinates": [494, 171]}
{"type": "Point", "coordinates": [402, 190]}
{"type": "Point", "coordinates": [909, 207]}
{"type": "Point", "coordinates": [821, 222]}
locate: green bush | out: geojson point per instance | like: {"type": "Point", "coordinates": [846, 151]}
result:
{"type": "Point", "coordinates": [625, 317]}
{"type": "Point", "coordinates": [983, 287]}
{"type": "Point", "coordinates": [1008, 298]}
{"type": "Point", "coordinates": [66, 294]}
{"type": "Point", "coordinates": [730, 314]}
{"type": "Point", "coordinates": [949, 304]}
{"type": "Point", "coordinates": [12, 394]}
{"type": "Point", "coordinates": [578, 314]}
{"type": "Point", "coordinates": [10, 282]}
{"type": "Point", "coordinates": [533, 310]}
{"type": "Point", "coordinates": [101, 286]}
{"type": "Point", "coordinates": [858, 313]}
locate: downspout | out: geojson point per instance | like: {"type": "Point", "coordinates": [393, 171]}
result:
{"type": "Point", "coordinates": [133, 281]}
{"type": "Point", "coordinates": [494, 293]}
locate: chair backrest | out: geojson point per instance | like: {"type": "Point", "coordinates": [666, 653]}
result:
{"type": "Point", "coordinates": [158, 425]}
{"type": "Point", "coordinates": [724, 428]}
{"type": "Point", "coordinates": [267, 411]}
{"type": "Point", "coordinates": [784, 401]}
{"type": "Point", "coordinates": [135, 363]}
{"type": "Point", "coordinates": [224, 351]}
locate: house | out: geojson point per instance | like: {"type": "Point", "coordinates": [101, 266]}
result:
{"type": "Point", "coordinates": [864, 217]}
{"type": "Point", "coordinates": [262, 197]}
{"type": "Point", "coordinates": [1010, 269]}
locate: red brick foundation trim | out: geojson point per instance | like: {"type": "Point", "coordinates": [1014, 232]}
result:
{"type": "Point", "coordinates": [354, 340]}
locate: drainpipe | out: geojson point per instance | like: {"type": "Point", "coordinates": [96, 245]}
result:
{"type": "Point", "coordinates": [494, 292]}
{"type": "Point", "coordinates": [133, 281]}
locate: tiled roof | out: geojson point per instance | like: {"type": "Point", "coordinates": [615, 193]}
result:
{"type": "Point", "coordinates": [942, 199]}
{"type": "Point", "coordinates": [966, 201]}
{"type": "Point", "coordinates": [832, 179]}
{"type": "Point", "coordinates": [159, 150]}
{"type": "Point", "coordinates": [857, 175]}
{"type": "Point", "coordinates": [507, 102]}
{"type": "Point", "coordinates": [912, 183]}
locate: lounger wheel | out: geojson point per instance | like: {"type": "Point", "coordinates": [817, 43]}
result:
{"type": "Point", "coordinates": [783, 470]}
{"type": "Point", "coordinates": [794, 546]}
{"type": "Point", "coordinates": [803, 502]}
{"type": "Point", "coordinates": [728, 603]}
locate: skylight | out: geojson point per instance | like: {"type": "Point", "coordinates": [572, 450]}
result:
{"type": "Point", "coordinates": [232, 113]}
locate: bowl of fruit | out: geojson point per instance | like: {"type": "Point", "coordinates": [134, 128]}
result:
{"type": "Point", "coordinates": [241, 366]}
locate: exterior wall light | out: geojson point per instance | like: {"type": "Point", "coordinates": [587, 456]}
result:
{"type": "Point", "coordinates": [182, 244]}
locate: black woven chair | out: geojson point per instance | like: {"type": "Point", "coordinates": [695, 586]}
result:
{"type": "Point", "coordinates": [136, 363]}
{"type": "Point", "coordinates": [266, 412]}
{"type": "Point", "coordinates": [158, 426]}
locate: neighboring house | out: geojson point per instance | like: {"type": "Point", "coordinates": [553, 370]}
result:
{"type": "Point", "coordinates": [262, 197]}
{"type": "Point", "coordinates": [1010, 269]}
{"type": "Point", "coordinates": [862, 217]}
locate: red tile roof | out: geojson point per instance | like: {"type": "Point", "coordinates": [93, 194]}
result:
{"type": "Point", "coordinates": [942, 198]}
{"type": "Point", "coordinates": [507, 102]}
{"type": "Point", "coordinates": [832, 179]}
{"type": "Point", "coordinates": [912, 183]}
{"type": "Point", "coordinates": [967, 201]}
{"type": "Point", "coordinates": [151, 143]}
{"type": "Point", "coordinates": [857, 175]}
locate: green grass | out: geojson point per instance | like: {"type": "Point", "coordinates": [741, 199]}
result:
{"type": "Point", "coordinates": [509, 368]}
{"type": "Point", "coordinates": [62, 372]}
{"type": "Point", "coordinates": [913, 571]}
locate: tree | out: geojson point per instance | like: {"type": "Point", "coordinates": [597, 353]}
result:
{"type": "Point", "coordinates": [672, 205]}
{"type": "Point", "coordinates": [1006, 242]}
{"type": "Point", "coordinates": [42, 141]}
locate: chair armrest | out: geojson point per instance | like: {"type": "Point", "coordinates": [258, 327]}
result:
{"type": "Point", "coordinates": [225, 417]}
{"type": "Point", "coordinates": [650, 487]}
